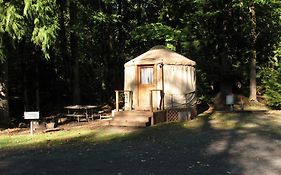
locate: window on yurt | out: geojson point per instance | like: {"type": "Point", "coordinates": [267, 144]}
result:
{"type": "Point", "coordinates": [146, 75]}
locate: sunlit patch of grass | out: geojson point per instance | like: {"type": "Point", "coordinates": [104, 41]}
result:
{"type": "Point", "coordinates": [25, 140]}
{"type": "Point", "coordinates": [258, 121]}
{"type": "Point", "coordinates": [256, 107]}
{"type": "Point", "coordinates": [225, 121]}
{"type": "Point", "coordinates": [58, 138]}
{"type": "Point", "coordinates": [195, 124]}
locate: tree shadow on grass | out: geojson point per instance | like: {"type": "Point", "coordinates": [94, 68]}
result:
{"type": "Point", "coordinates": [196, 147]}
{"type": "Point", "coordinates": [2, 127]}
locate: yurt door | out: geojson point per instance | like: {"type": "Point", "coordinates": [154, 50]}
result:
{"type": "Point", "coordinates": [146, 82]}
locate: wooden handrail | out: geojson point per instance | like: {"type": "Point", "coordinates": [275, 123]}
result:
{"type": "Point", "coordinates": [117, 92]}
{"type": "Point", "coordinates": [161, 105]}
{"type": "Point", "coordinates": [123, 90]}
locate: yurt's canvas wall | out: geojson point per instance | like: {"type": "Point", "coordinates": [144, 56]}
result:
{"type": "Point", "coordinates": [130, 83]}
{"type": "Point", "coordinates": [179, 85]}
{"type": "Point", "coordinates": [130, 78]}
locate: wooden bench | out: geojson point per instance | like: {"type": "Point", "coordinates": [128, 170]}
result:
{"type": "Point", "coordinates": [103, 115]}
{"type": "Point", "coordinates": [76, 116]}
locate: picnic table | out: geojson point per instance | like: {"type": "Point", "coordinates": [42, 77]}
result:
{"type": "Point", "coordinates": [81, 111]}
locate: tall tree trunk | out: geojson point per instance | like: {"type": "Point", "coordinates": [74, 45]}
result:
{"type": "Point", "coordinates": [24, 79]}
{"type": "Point", "coordinates": [107, 51]}
{"type": "Point", "coordinates": [76, 82]}
{"type": "Point", "coordinates": [121, 47]}
{"type": "Point", "coordinates": [224, 60]}
{"type": "Point", "coordinates": [110, 72]}
{"type": "Point", "coordinates": [62, 31]}
{"type": "Point", "coordinates": [107, 70]}
{"type": "Point", "coordinates": [253, 83]}
{"type": "Point", "coordinates": [37, 84]}
{"type": "Point", "coordinates": [4, 105]}
{"type": "Point", "coordinates": [225, 70]}
{"type": "Point", "coordinates": [74, 54]}
{"type": "Point", "coordinates": [63, 46]}
{"type": "Point", "coordinates": [139, 13]}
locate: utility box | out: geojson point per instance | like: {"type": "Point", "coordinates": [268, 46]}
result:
{"type": "Point", "coordinates": [229, 100]}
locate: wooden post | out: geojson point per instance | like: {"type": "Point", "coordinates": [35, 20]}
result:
{"type": "Point", "coordinates": [130, 99]}
{"type": "Point", "coordinates": [117, 100]}
{"type": "Point", "coordinates": [152, 120]}
{"type": "Point", "coordinates": [150, 101]}
{"type": "Point", "coordinates": [162, 100]}
{"type": "Point", "coordinates": [160, 104]}
{"type": "Point", "coordinates": [172, 100]}
{"type": "Point", "coordinates": [31, 127]}
{"type": "Point", "coordinates": [186, 100]}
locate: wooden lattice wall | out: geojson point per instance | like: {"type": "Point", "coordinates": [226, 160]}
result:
{"type": "Point", "coordinates": [172, 115]}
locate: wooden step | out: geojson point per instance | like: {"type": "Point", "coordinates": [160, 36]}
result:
{"type": "Point", "coordinates": [131, 118]}
{"type": "Point", "coordinates": [127, 123]}
{"type": "Point", "coordinates": [133, 113]}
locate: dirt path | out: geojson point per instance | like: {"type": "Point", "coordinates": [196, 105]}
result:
{"type": "Point", "coordinates": [167, 149]}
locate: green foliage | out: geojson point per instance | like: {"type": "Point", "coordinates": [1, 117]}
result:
{"type": "Point", "coordinates": [271, 79]}
{"type": "Point", "coordinates": [277, 55]}
{"type": "Point", "coordinates": [2, 55]}
{"type": "Point", "coordinates": [11, 22]}
{"type": "Point", "coordinates": [45, 20]}
{"type": "Point", "coordinates": [99, 17]}
{"type": "Point", "coordinates": [157, 31]}
{"type": "Point", "coordinates": [38, 17]}
{"type": "Point", "coordinates": [220, 39]}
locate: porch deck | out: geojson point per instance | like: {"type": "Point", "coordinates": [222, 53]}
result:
{"type": "Point", "coordinates": [137, 118]}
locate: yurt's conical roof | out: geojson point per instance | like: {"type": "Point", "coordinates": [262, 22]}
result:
{"type": "Point", "coordinates": [160, 55]}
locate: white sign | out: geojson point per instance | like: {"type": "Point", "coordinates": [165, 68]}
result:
{"type": "Point", "coordinates": [31, 115]}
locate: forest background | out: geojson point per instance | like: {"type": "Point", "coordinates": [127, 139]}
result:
{"type": "Point", "coordinates": [59, 52]}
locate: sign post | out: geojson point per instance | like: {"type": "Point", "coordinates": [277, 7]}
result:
{"type": "Point", "coordinates": [31, 116]}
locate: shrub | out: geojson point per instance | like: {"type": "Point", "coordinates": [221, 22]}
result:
{"type": "Point", "coordinates": [271, 80]}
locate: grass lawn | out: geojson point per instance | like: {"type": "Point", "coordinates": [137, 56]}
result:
{"type": "Point", "coordinates": [270, 122]}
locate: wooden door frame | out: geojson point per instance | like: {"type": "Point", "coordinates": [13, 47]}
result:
{"type": "Point", "coordinates": [154, 82]}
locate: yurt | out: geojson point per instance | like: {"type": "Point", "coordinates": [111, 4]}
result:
{"type": "Point", "coordinates": [160, 77]}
